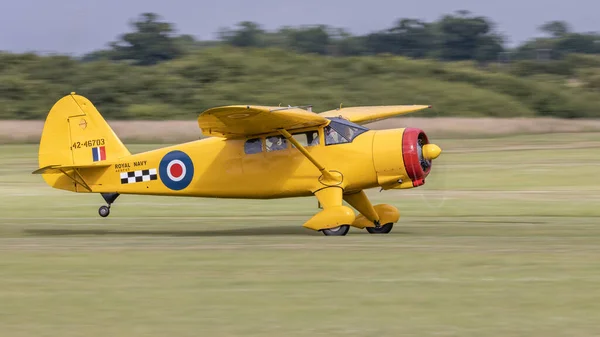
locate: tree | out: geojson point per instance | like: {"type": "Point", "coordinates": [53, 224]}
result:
{"type": "Point", "coordinates": [151, 42]}
{"type": "Point", "coordinates": [488, 48]}
{"type": "Point", "coordinates": [409, 37]}
{"type": "Point", "coordinates": [414, 37]}
{"type": "Point", "coordinates": [562, 41]}
{"type": "Point", "coordinates": [555, 29]}
{"type": "Point", "coordinates": [466, 37]}
{"type": "Point", "coordinates": [345, 44]}
{"type": "Point", "coordinates": [248, 34]}
{"type": "Point", "coordinates": [309, 39]}
{"type": "Point", "coordinates": [579, 43]}
{"type": "Point", "coordinates": [458, 35]}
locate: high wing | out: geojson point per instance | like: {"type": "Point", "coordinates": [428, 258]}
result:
{"type": "Point", "coordinates": [368, 114]}
{"type": "Point", "coordinates": [244, 120]}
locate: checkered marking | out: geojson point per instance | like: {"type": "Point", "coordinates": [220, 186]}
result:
{"type": "Point", "coordinates": [138, 176]}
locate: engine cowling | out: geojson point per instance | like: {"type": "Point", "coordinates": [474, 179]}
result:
{"type": "Point", "coordinates": [403, 157]}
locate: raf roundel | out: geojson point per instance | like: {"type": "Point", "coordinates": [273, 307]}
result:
{"type": "Point", "coordinates": [176, 170]}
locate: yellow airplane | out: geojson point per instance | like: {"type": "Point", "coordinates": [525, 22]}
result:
{"type": "Point", "coordinates": [257, 152]}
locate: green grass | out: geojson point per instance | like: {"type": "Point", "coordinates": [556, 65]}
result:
{"type": "Point", "coordinates": [503, 240]}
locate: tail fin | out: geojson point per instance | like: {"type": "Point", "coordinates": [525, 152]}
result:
{"type": "Point", "coordinates": [75, 134]}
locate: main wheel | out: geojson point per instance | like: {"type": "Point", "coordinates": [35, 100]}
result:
{"type": "Point", "coordinates": [104, 211]}
{"type": "Point", "coordinates": [381, 230]}
{"type": "Point", "coordinates": [337, 231]}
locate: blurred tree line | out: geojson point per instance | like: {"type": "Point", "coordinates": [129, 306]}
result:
{"type": "Point", "coordinates": [458, 64]}
{"type": "Point", "coordinates": [454, 37]}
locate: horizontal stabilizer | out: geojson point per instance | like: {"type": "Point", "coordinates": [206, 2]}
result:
{"type": "Point", "coordinates": [63, 168]}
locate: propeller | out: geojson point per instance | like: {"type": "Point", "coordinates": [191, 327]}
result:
{"type": "Point", "coordinates": [434, 191]}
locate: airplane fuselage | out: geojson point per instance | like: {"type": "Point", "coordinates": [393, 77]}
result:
{"type": "Point", "coordinates": [221, 168]}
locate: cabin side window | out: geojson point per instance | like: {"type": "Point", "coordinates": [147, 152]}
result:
{"type": "Point", "coordinates": [253, 145]}
{"type": "Point", "coordinates": [309, 138]}
{"type": "Point", "coordinates": [275, 143]}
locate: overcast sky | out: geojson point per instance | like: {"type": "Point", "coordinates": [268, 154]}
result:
{"type": "Point", "coordinates": [80, 26]}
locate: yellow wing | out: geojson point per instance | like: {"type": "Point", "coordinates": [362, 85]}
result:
{"type": "Point", "coordinates": [368, 114]}
{"type": "Point", "coordinates": [242, 120]}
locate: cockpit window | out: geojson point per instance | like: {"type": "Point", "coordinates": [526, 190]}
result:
{"type": "Point", "coordinates": [253, 145]}
{"type": "Point", "coordinates": [333, 137]}
{"type": "Point", "coordinates": [275, 143]}
{"type": "Point", "coordinates": [341, 131]}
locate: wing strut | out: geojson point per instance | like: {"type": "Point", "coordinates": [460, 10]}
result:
{"type": "Point", "coordinates": [326, 174]}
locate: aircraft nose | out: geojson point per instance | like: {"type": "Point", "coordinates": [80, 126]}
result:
{"type": "Point", "coordinates": [431, 151]}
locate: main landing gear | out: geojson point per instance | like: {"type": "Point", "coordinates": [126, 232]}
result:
{"type": "Point", "coordinates": [104, 211]}
{"type": "Point", "coordinates": [381, 229]}
{"type": "Point", "coordinates": [337, 231]}
{"type": "Point", "coordinates": [336, 219]}
{"type": "Point", "coordinates": [343, 230]}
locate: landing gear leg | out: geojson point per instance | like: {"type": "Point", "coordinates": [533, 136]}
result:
{"type": "Point", "coordinates": [378, 219]}
{"type": "Point", "coordinates": [104, 211]}
{"type": "Point", "coordinates": [362, 204]}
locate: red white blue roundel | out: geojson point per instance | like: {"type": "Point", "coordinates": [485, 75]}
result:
{"type": "Point", "coordinates": [176, 170]}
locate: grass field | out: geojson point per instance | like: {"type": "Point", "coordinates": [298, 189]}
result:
{"type": "Point", "coordinates": [503, 240]}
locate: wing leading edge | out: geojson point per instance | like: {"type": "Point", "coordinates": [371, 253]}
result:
{"type": "Point", "coordinates": [368, 114]}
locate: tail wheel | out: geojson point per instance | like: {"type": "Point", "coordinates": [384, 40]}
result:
{"type": "Point", "coordinates": [104, 211]}
{"type": "Point", "coordinates": [337, 231]}
{"type": "Point", "coordinates": [381, 230]}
